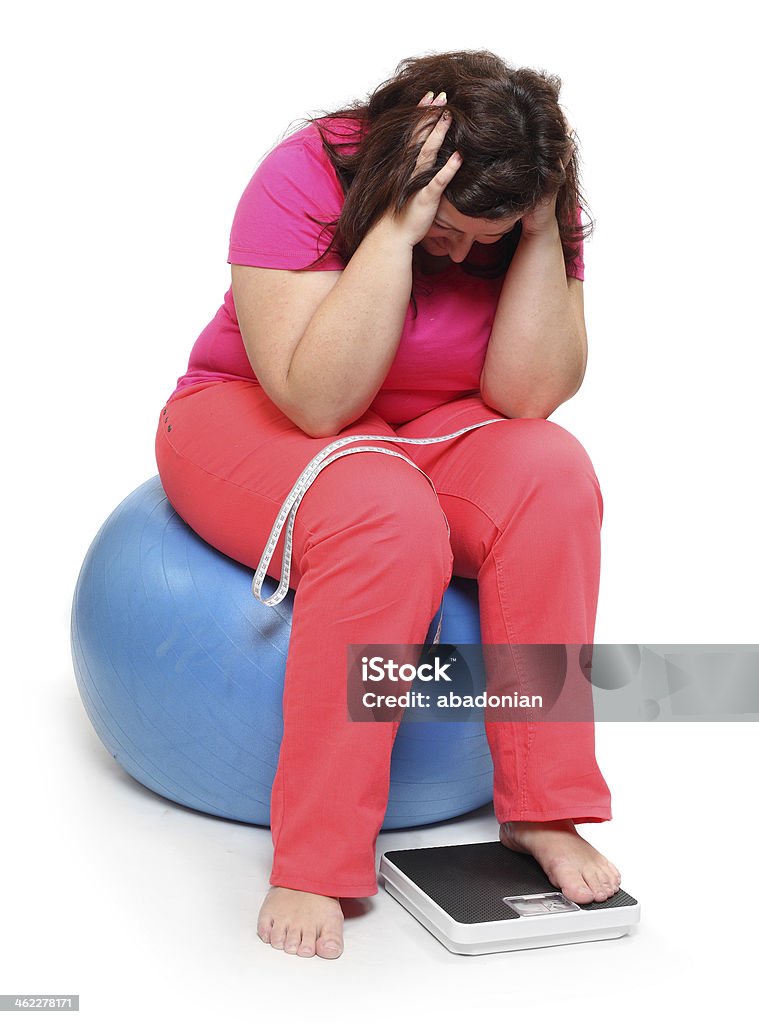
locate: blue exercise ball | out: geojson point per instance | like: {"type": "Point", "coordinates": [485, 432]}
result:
{"type": "Point", "coordinates": [181, 671]}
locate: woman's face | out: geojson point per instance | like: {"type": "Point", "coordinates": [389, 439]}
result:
{"type": "Point", "coordinates": [452, 234]}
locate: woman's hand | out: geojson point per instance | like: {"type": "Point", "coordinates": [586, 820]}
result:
{"type": "Point", "coordinates": [416, 217]}
{"type": "Point", "coordinates": [543, 216]}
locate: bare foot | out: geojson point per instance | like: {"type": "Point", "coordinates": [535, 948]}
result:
{"type": "Point", "coordinates": [569, 861]}
{"type": "Point", "coordinates": [302, 922]}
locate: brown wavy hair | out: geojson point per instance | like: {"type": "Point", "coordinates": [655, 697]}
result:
{"type": "Point", "coordinates": [506, 123]}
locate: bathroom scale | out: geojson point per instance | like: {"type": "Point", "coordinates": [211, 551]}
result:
{"type": "Point", "coordinates": [484, 898]}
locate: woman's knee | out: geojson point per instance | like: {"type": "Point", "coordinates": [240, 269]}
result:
{"type": "Point", "coordinates": [553, 463]}
{"type": "Point", "coordinates": [382, 504]}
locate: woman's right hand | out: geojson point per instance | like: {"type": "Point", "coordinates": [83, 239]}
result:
{"type": "Point", "coordinates": [415, 219]}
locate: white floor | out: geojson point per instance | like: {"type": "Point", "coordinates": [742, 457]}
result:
{"type": "Point", "coordinates": [122, 189]}
{"type": "Point", "coordinates": [144, 908]}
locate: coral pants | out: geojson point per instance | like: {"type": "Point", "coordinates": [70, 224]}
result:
{"type": "Point", "coordinates": [371, 560]}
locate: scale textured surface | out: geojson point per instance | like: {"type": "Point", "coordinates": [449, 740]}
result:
{"type": "Point", "coordinates": [469, 882]}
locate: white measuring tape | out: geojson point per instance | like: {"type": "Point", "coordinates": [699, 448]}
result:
{"type": "Point", "coordinates": [304, 481]}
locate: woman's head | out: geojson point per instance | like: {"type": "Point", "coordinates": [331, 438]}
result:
{"type": "Point", "coordinates": [510, 130]}
{"type": "Point", "coordinates": [452, 233]}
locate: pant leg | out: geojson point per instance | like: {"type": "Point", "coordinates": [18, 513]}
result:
{"type": "Point", "coordinates": [525, 511]}
{"type": "Point", "coordinates": [228, 457]}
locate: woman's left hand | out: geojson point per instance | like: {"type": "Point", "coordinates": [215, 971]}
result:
{"type": "Point", "coordinates": [543, 216]}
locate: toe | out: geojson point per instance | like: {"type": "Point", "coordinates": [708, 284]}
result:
{"type": "Point", "coordinates": [597, 882]}
{"type": "Point", "coordinates": [307, 945]}
{"type": "Point", "coordinates": [263, 928]}
{"type": "Point", "coordinates": [278, 933]}
{"type": "Point", "coordinates": [293, 939]}
{"type": "Point", "coordinates": [610, 873]}
{"type": "Point", "coordinates": [578, 892]}
{"type": "Point", "coordinates": [329, 949]}
{"type": "Point", "coordinates": [611, 878]}
{"type": "Point", "coordinates": [330, 942]}
{"type": "Point", "coordinates": [572, 884]}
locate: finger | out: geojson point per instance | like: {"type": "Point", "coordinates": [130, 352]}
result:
{"type": "Point", "coordinates": [424, 127]}
{"type": "Point", "coordinates": [444, 176]}
{"type": "Point", "coordinates": [423, 132]}
{"type": "Point", "coordinates": [432, 115]}
{"type": "Point", "coordinates": [433, 142]}
{"type": "Point", "coordinates": [430, 99]}
{"type": "Point", "coordinates": [426, 124]}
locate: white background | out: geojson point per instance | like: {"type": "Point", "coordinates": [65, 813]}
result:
{"type": "Point", "coordinates": [130, 131]}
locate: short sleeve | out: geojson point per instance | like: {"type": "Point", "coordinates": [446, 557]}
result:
{"type": "Point", "coordinates": [576, 267]}
{"type": "Point", "coordinates": [271, 226]}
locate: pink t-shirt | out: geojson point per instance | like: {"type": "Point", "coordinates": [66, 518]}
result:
{"type": "Point", "coordinates": [441, 351]}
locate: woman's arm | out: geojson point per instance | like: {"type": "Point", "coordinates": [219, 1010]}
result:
{"type": "Point", "coordinates": [321, 342]}
{"type": "Point", "coordinates": [339, 364]}
{"type": "Point", "coordinates": [322, 348]}
{"type": "Point", "coordinates": [538, 347]}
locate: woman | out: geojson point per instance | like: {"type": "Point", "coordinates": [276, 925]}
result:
{"type": "Point", "coordinates": [406, 268]}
